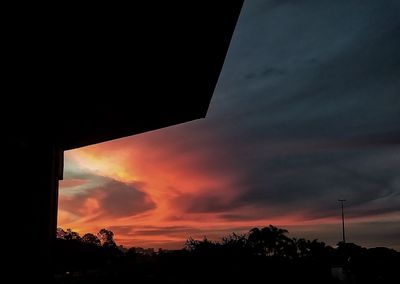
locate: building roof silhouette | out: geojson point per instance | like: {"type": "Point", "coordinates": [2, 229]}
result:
{"type": "Point", "coordinates": [78, 74]}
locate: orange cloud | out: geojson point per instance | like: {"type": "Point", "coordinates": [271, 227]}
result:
{"type": "Point", "coordinates": [170, 176]}
{"type": "Point", "coordinates": [159, 188]}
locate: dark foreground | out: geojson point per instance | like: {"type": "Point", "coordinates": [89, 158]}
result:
{"type": "Point", "coordinates": [258, 257]}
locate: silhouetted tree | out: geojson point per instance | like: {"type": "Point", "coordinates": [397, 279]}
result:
{"type": "Point", "coordinates": [60, 234]}
{"type": "Point", "coordinates": [303, 247]}
{"type": "Point", "coordinates": [106, 238]}
{"type": "Point", "coordinates": [191, 244]}
{"type": "Point", "coordinates": [204, 246]}
{"type": "Point", "coordinates": [71, 235]}
{"type": "Point", "coordinates": [236, 244]}
{"type": "Point", "coordinates": [235, 240]}
{"type": "Point", "coordinates": [270, 241]}
{"type": "Point", "coordinates": [131, 252]}
{"type": "Point", "coordinates": [317, 249]}
{"type": "Point", "coordinates": [91, 239]}
{"type": "Point", "coordinates": [256, 242]}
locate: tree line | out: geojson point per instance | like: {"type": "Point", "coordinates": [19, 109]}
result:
{"type": "Point", "coordinates": [267, 251]}
{"type": "Point", "coordinates": [103, 238]}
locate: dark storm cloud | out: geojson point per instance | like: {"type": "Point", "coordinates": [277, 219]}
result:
{"type": "Point", "coordinates": [206, 203]}
{"type": "Point", "coordinates": [120, 199]}
{"type": "Point", "coordinates": [101, 196]}
{"type": "Point", "coordinates": [311, 183]}
{"type": "Point", "coordinates": [307, 109]}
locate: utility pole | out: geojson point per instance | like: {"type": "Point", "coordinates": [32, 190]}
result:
{"type": "Point", "coordinates": [344, 235]}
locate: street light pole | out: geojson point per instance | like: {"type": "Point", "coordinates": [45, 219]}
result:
{"type": "Point", "coordinates": [344, 235]}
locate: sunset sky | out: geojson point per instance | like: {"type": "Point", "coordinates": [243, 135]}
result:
{"type": "Point", "coordinates": [306, 111]}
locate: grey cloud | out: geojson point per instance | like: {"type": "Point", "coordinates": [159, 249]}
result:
{"type": "Point", "coordinates": [205, 202]}
{"type": "Point", "coordinates": [311, 183]}
{"type": "Point", "coordinates": [346, 89]}
{"type": "Point", "coordinates": [267, 72]}
{"type": "Point", "coordinates": [298, 141]}
{"type": "Point", "coordinates": [121, 199]}
{"type": "Point", "coordinates": [114, 198]}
